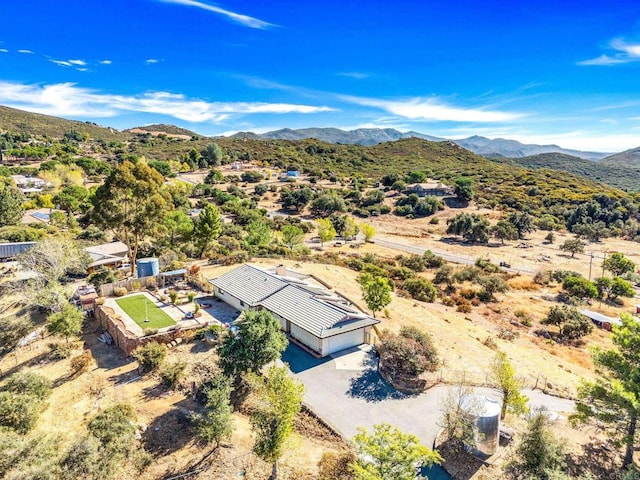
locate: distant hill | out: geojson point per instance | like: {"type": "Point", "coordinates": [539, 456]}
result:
{"type": "Point", "coordinates": [372, 136]}
{"type": "Point", "coordinates": [617, 176]}
{"type": "Point", "coordinates": [628, 158]}
{"type": "Point", "coordinates": [514, 149]}
{"type": "Point", "coordinates": [164, 128]}
{"type": "Point", "coordinates": [14, 120]}
{"type": "Point", "coordinates": [359, 136]}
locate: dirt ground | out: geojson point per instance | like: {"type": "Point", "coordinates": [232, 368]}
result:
{"type": "Point", "coordinates": [163, 416]}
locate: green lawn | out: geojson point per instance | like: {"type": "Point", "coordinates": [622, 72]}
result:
{"type": "Point", "coordinates": [134, 306]}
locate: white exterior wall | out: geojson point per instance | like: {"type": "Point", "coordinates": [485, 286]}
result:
{"type": "Point", "coordinates": [281, 321]}
{"type": "Point", "coordinates": [343, 341]}
{"type": "Point", "coordinates": [230, 300]}
{"type": "Point", "coordinates": [310, 340]}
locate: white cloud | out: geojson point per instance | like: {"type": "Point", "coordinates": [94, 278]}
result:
{"type": "Point", "coordinates": [81, 63]}
{"type": "Point", "coordinates": [431, 109]}
{"type": "Point", "coordinates": [29, 52]}
{"type": "Point", "coordinates": [106, 62]}
{"type": "Point", "coordinates": [355, 75]}
{"type": "Point", "coordinates": [624, 52]}
{"type": "Point", "coordinates": [151, 61]}
{"type": "Point", "coordinates": [68, 99]}
{"type": "Point", "coordinates": [245, 20]}
{"type": "Point", "coordinates": [4, 50]}
{"type": "Point", "coordinates": [62, 63]}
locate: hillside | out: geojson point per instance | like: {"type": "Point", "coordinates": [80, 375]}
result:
{"type": "Point", "coordinates": [495, 183]}
{"type": "Point", "coordinates": [164, 128]}
{"type": "Point", "coordinates": [14, 120]}
{"type": "Point", "coordinates": [513, 149]}
{"type": "Point", "coordinates": [360, 136]}
{"type": "Point", "coordinates": [372, 136]}
{"type": "Point", "coordinates": [627, 159]}
{"type": "Point", "coordinates": [611, 174]}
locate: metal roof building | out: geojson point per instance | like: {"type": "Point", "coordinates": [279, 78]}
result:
{"type": "Point", "coordinates": [316, 318]}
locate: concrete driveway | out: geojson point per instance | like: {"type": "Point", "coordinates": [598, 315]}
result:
{"type": "Point", "coordinates": [347, 392]}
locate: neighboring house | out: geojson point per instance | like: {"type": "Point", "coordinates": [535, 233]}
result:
{"type": "Point", "coordinates": [310, 315]}
{"type": "Point", "coordinates": [236, 166]}
{"type": "Point", "coordinates": [111, 255]}
{"type": "Point", "coordinates": [434, 189]}
{"type": "Point", "coordinates": [601, 320]}
{"type": "Point", "coordinates": [291, 174]}
{"type": "Point", "coordinates": [38, 215]}
{"type": "Point", "coordinates": [10, 250]}
{"type": "Point", "coordinates": [28, 185]}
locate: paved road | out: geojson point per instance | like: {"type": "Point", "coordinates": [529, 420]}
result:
{"type": "Point", "coordinates": [347, 392]}
{"type": "Point", "coordinates": [449, 257]}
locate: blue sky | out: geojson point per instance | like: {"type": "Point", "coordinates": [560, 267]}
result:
{"type": "Point", "coordinates": [564, 72]}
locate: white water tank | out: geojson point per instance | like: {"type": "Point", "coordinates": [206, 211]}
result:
{"type": "Point", "coordinates": [485, 417]}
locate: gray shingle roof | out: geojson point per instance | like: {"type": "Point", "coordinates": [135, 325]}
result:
{"type": "Point", "coordinates": [314, 315]}
{"type": "Point", "coordinates": [249, 284]}
{"type": "Point", "coordinates": [315, 310]}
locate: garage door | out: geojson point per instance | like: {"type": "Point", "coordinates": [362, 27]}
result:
{"type": "Point", "coordinates": [345, 340]}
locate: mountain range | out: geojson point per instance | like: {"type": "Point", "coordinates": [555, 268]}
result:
{"type": "Point", "coordinates": [14, 120]}
{"type": "Point", "coordinates": [499, 147]}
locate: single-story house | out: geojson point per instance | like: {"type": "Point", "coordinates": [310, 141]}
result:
{"type": "Point", "coordinates": [13, 249]}
{"type": "Point", "coordinates": [434, 189]}
{"type": "Point", "coordinates": [309, 314]}
{"type": "Point", "coordinates": [27, 183]}
{"type": "Point", "coordinates": [600, 320]}
{"type": "Point", "coordinates": [110, 255]}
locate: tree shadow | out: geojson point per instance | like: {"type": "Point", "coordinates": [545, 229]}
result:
{"type": "Point", "coordinates": [172, 430]}
{"type": "Point", "coordinates": [455, 202]}
{"type": "Point", "coordinates": [371, 387]}
{"type": "Point", "coordinates": [106, 356]}
{"type": "Point", "coordinates": [459, 463]}
{"type": "Point", "coordinates": [598, 458]}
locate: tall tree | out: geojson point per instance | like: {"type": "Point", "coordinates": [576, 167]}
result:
{"type": "Point", "coordinates": [376, 291]}
{"type": "Point", "coordinates": [390, 454]}
{"type": "Point", "coordinates": [503, 379]}
{"type": "Point", "coordinates": [10, 205]}
{"type": "Point", "coordinates": [368, 231]}
{"type": "Point", "coordinates": [472, 227]}
{"type": "Point", "coordinates": [207, 228]}
{"type": "Point", "coordinates": [71, 198]}
{"type": "Point", "coordinates": [132, 203]}
{"type": "Point", "coordinates": [258, 234]}
{"type": "Point", "coordinates": [278, 399]}
{"type": "Point", "coordinates": [464, 189]}
{"type": "Point", "coordinates": [292, 236]}
{"type": "Point", "coordinates": [613, 400]}
{"type": "Point", "coordinates": [213, 154]}
{"type": "Point", "coordinates": [67, 322]}
{"type": "Point", "coordinates": [258, 342]}
{"type": "Point", "coordinates": [572, 246]}
{"type": "Point", "coordinates": [326, 231]}
{"type": "Point", "coordinates": [618, 264]}
{"type": "Point", "coordinates": [178, 227]}
{"type": "Point", "coordinates": [539, 455]}
{"type": "Point", "coordinates": [523, 223]}
{"type": "Point", "coordinates": [217, 423]}
{"type": "Point", "coordinates": [504, 230]}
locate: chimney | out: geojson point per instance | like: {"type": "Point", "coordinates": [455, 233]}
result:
{"type": "Point", "coordinates": [281, 270]}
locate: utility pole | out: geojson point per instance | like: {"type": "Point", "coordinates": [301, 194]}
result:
{"type": "Point", "coordinates": [590, 265]}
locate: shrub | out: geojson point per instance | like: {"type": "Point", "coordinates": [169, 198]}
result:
{"type": "Point", "coordinates": [30, 384]}
{"type": "Point", "coordinates": [421, 289]}
{"type": "Point", "coordinates": [80, 363]}
{"type": "Point", "coordinates": [120, 291]}
{"type": "Point", "coordinates": [172, 374]}
{"type": "Point", "coordinates": [114, 429]}
{"type": "Point", "coordinates": [431, 260]}
{"type": "Point", "coordinates": [410, 353]}
{"type": "Point", "coordinates": [173, 295]}
{"type": "Point", "coordinates": [191, 296]}
{"type": "Point", "coordinates": [150, 356]}
{"type": "Point", "coordinates": [413, 262]}
{"type": "Point", "coordinates": [59, 351]}
{"type": "Point", "coordinates": [18, 412]}
{"type": "Point", "coordinates": [12, 329]}
{"type": "Point", "coordinates": [336, 465]}
{"type": "Point", "coordinates": [571, 323]}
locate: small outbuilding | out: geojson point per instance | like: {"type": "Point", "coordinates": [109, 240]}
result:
{"type": "Point", "coordinates": [110, 255]}
{"type": "Point", "coordinates": [600, 320]}
{"type": "Point", "coordinates": [320, 320]}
